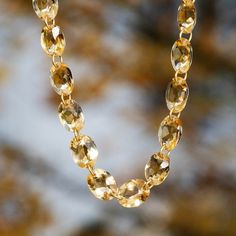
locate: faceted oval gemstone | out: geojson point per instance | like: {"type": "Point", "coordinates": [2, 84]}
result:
{"type": "Point", "coordinates": [187, 18]}
{"type": "Point", "coordinates": [189, 2]}
{"type": "Point", "coordinates": [71, 115]}
{"type": "Point", "coordinates": [177, 95]}
{"type": "Point", "coordinates": [84, 151]}
{"type": "Point", "coordinates": [46, 9]}
{"type": "Point", "coordinates": [181, 55]}
{"type": "Point", "coordinates": [61, 79]}
{"type": "Point", "coordinates": [170, 132]}
{"type": "Point", "coordinates": [102, 184]}
{"type": "Point", "coordinates": [53, 40]}
{"type": "Point", "coordinates": [133, 193]}
{"type": "Point", "coordinates": [157, 168]}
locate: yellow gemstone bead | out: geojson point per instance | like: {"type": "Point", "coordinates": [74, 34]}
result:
{"type": "Point", "coordinates": [53, 40]}
{"type": "Point", "coordinates": [189, 2]}
{"type": "Point", "coordinates": [182, 55]}
{"type": "Point", "coordinates": [177, 95]}
{"type": "Point", "coordinates": [133, 193]}
{"type": "Point", "coordinates": [71, 115]}
{"type": "Point", "coordinates": [61, 79]}
{"type": "Point", "coordinates": [170, 132]}
{"type": "Point", "coordinates": [102, 184]}
{"type": "Point", "coordinates": [187, 18]}
{"type": "Point", "coordinates": [84, 151]}
{"type": "Point", "coordinates": [157, 168]}
{"type": "Point", "coordinates": [46, 9]}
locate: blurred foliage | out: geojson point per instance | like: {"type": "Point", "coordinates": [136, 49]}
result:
{"type": "Point", "coordinates": [21, 209]}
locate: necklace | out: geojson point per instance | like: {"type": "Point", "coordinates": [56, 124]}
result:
{"type": "Point", "coordinates": [84, 151]}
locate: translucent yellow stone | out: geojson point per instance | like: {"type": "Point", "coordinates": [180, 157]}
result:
{"type": "Point", "coordinates": [61, 79]}
{"type": "Point", "coordinates": [189, 2]}
{"type": "Point", "coordinates": [71, 115]}
{"type": "Point", "coordinates": [84, 151]}
{"type": "Point", "coordinates": [102, 184]}
{"type": "Point", "coordinates": [177, 95]}
{"type": "Point", "coordinates": [187, 18]}
{"type": "Point", "coordinates": [170, 132]}
{"type": "Point", "coordinates": [46, 9]}
{"type": "Point", "coordinates": [53, 40]}
{"type": "Point", "coordinates": [157, 168]}
{"type": "Point", "coordinates": [133, 193]}
{"type": "Point", "coordinates": [182, 55]}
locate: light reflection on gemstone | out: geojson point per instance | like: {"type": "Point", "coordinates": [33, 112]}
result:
{"type": "Point", "coordinates": [84, 151]}
{"type": "Point", "coordinates": [157, 168]}
{"type": "Point", "coordinates": [133, 193]}
{"type": "Point", "coordinates": [102, 184]}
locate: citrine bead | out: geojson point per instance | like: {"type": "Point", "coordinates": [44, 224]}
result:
{"type": "Point", "coordinates": [177, 95]}
{"type": "Point", "coordinates": [61, 79]}
{"type": "Point", "coordinates": [170, 132]}
{"type": "Point", "coordinates": [46, 9]}
{"type": "Point", "coordinates": [53, 40]}
{"type": "Point", "coordinates": [102, 184]}
{"type": "Point", "coordinates": [157, 168]}
{"type": "Point", "coordinates": [187, 18]}
{"type": "Point", "coordinates": [189, 2]}
{"type": "Point", "coordinates": [84, 151]}
{"type": "Point", "coordinates": [182, 55]}
{"type": "Point", "coordinates": [71, 115]}
{"type": "Point", "coordinates": [133, 193]}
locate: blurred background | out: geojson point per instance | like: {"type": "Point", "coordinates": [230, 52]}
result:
{"type": "Point", "coordinates": [119, 52]}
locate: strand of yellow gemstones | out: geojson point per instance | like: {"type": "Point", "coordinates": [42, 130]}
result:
{"type": "Point", "coordinates": [134, 192]}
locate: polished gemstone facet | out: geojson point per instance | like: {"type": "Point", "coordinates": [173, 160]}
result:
{"type": "Point", "coordinates": [53, 40]}
{"type": "Point", "coordinates": [189, 2]}
{"type": "Point", "coordinates": [177, 95]}
{"type": "Point", "coordinates": [84, 151]}
{"type": "Point", "coordinates": [61, 79]}
{"type": "Point", "coordinates": [170, 132]}
{"type": "Point", "coordinates": [71, 116]}
{"type": "Point", "coordinates": [133, 193]}
{"type": "Point", "coordinates": [102, 184]}
{"type": "Point", "coordinates": [46, 9]}
{"type": "Point", "coordinates": [187, 18]}
{"type": "Point", "coordinates": [182, 55]}
{"type": "Point", "coordinates": [157, 168]}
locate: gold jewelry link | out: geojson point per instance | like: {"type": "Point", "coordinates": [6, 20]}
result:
{"type": "Point", "coordinates": [66, 99]}
{"type": "Point", "coordinates": [172, 113]}
{"type": "Point", "coordinates": [178, 74]}
{"type": "Point", "coordinates": [149, 183]}
{"type": "Point", "coordinates": [181, 34]}
{"type": "Point", "coordinates": [91, 170]}
{"type": "Point", "coordinates": [116, 195]}
{"type": "Point", "coordinates": [50, 23]}
{"type": "Point", "coordinates": [57, 59]}
{"type": "Point", "coordinates": [164, 151]}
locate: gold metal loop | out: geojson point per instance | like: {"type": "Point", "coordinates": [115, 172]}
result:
{"type": "Point", "coordinates": [66, 98]}
{"type": "Point", "coordinates": [178, 74]}
{"type": "Point", "coordinates": [76, 133]}
{"type": "Point", "coordinates": [172, 113]}
{"type": "Point", "coordinates": [50, 23]}
{"type": "Point", "coordinates": [91, 170]}
{"type": "Point", "coordinates": [57, 59]}
{"type": "Point", "coordinates": [164, 151]}
{"type": "Point", "coordinates": [149, 183]}
{"type": "Point", "coordinates": [181, 34]}
{"type": "Point", "coordinates": [116, 195]}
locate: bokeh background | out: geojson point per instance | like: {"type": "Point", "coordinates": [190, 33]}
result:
{"type": "Point", "coordinates": [119, 52]}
